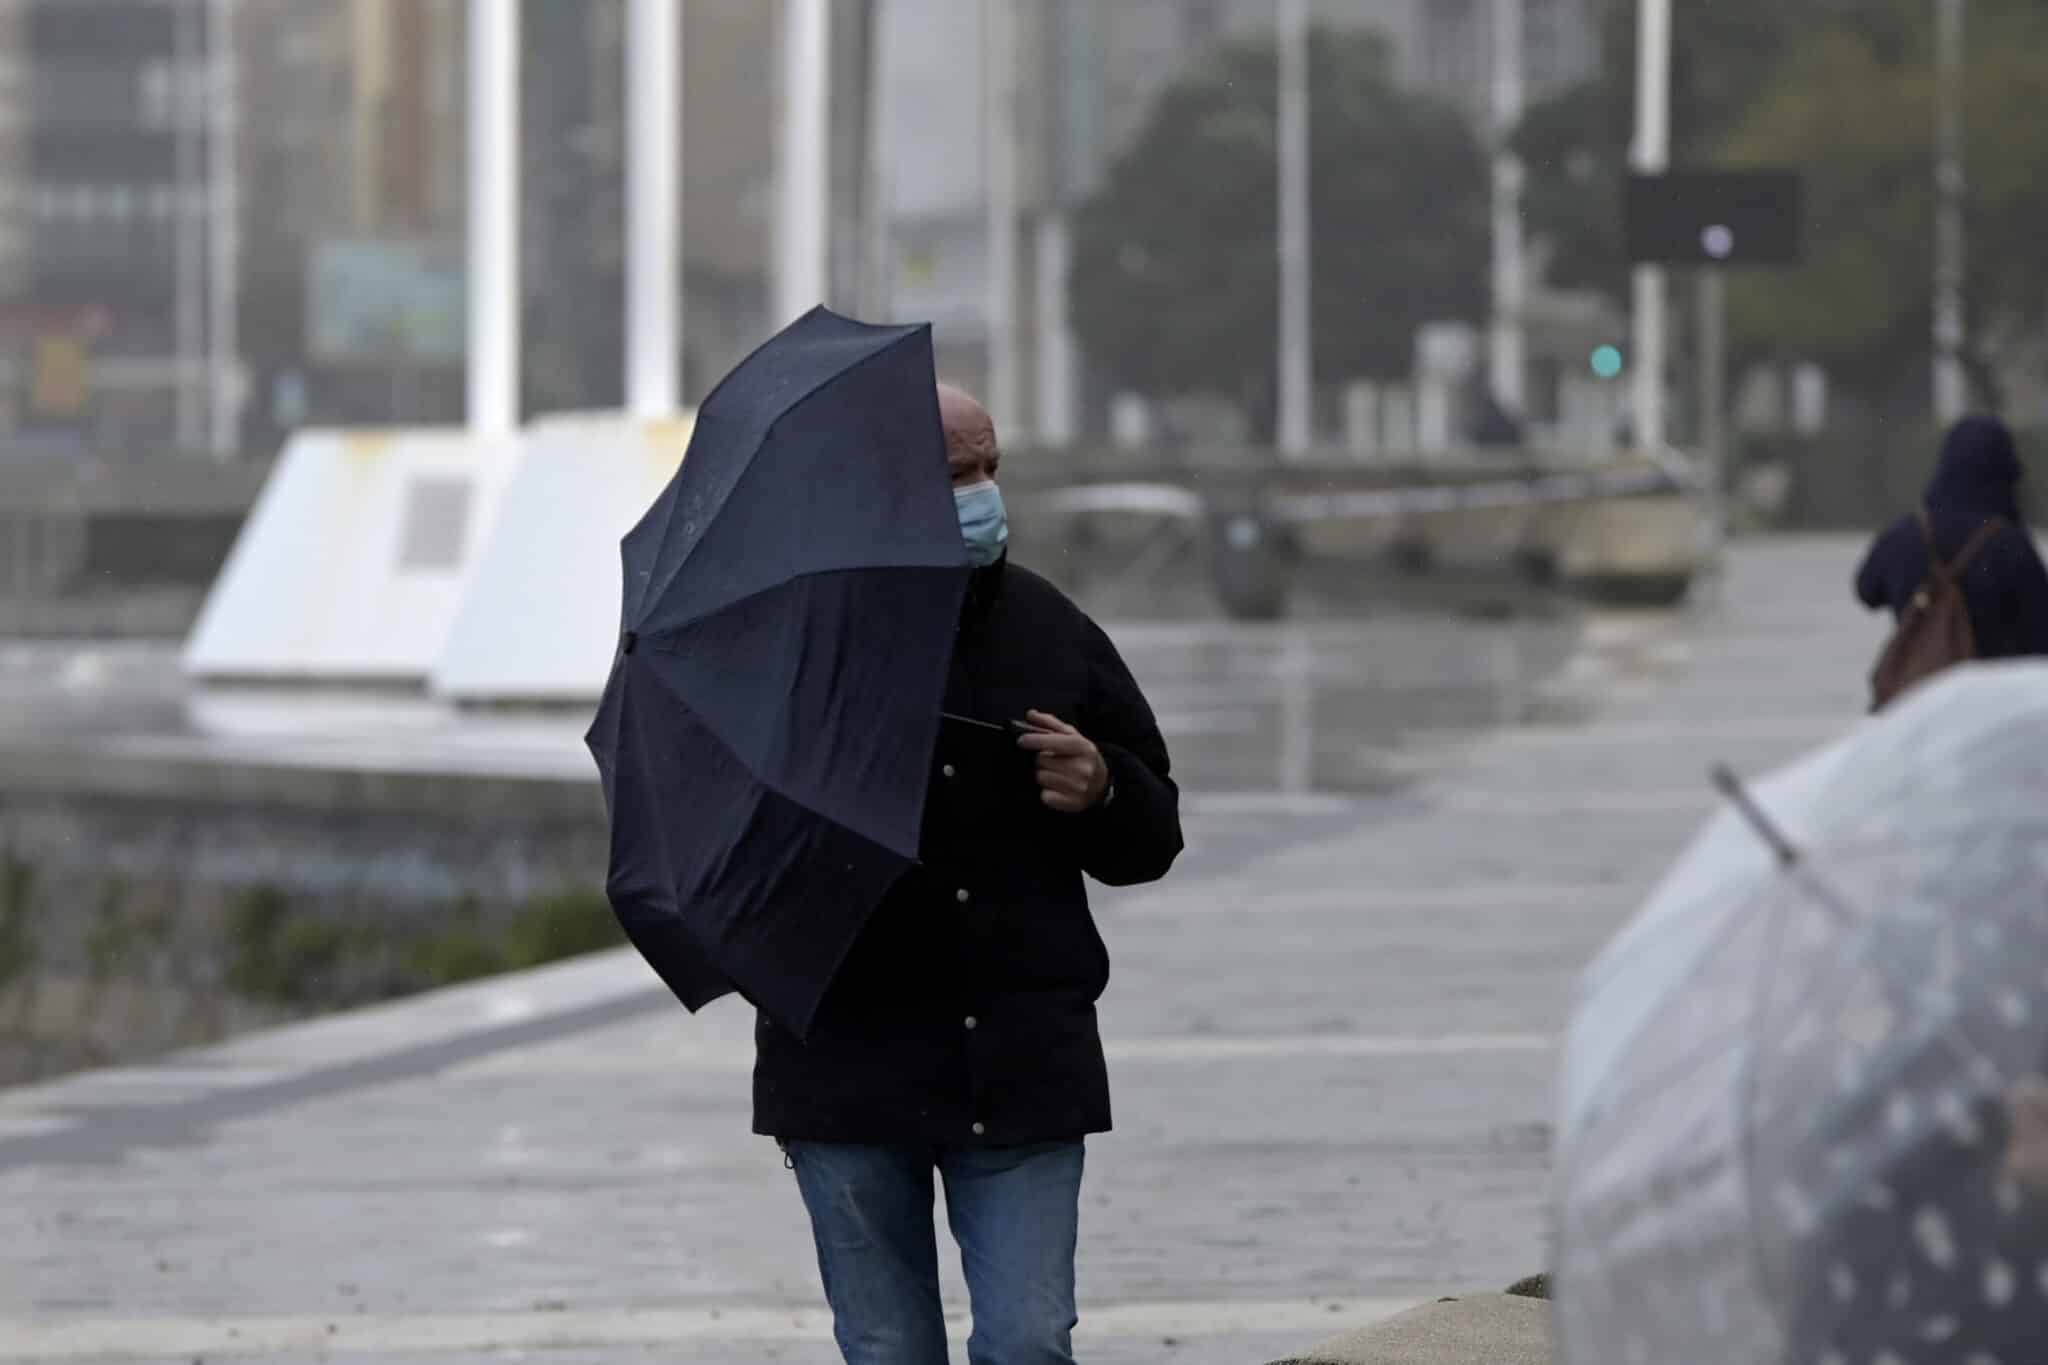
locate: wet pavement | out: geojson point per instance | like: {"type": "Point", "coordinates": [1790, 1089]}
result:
{"type": "Point", "coordinates": [1330, 1034]}
{"type": "Point", "coordinates": [1319, 704]}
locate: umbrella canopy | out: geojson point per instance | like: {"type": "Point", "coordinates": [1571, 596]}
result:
{"type": "Point", "coordinates": [1804, 1114]}
{"type": "Point", "coordinates": [791, 598]}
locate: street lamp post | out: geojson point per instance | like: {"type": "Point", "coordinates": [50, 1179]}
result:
{"type": "Point", "coordinates": [999, 161]}
{"type": "Point", "coordinates": [802, 245]}
{"type": "Point", "coordinates": [1951, 386]}
{"type": "Point", "coordinates": [1507, 364]}
{"type": "Point", "coordinates": [224, 181]}
{"type": "Point", "coordinates": [493, 359]}
{"type": "Point", "coordinates": [1296, 383]}
{"type": "Point", "coordinates": [1651, 155]}
{"type": "Point", "coordinates": [654, 206]}
{"type": "Point", "coordinates": [189, 245]}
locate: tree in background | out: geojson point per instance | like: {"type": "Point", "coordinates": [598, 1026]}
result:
{"type": "Point", "coordinates": [1724, 55]}
{"type": "Point", "coordinates": [1858, 120]}
{"type": "Point", "coordinates": [1841, 90]}
{"type": "Point", "coordinates": [1175, 278]}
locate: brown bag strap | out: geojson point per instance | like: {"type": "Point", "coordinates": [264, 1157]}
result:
{"type": "Point", "coordinates": [1984, 536]}
{"type": "Point", "coordinates": [1955, 568]}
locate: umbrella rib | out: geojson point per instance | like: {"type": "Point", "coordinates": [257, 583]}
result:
{"type": "Point", "coordinates": [656, 591]}
{"type": "Point", "coordinates": [1921, 837]}
{"type": "Point", "coordinates": [1965, 1049]}
{"type": "Point", "coordinates": [663, 640]}
{"type": "Point", "coordinates": [2000, 743]}
{"type": "Point", "coordinates": [1762, 883]}
{"type": "Point", "coordinates": [777, 789]}
{"type": "Point", "coordinates": [1746, 1083]}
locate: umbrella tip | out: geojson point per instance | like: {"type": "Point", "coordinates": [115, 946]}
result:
{"type": "Point", "coordinates": [1731, 787]}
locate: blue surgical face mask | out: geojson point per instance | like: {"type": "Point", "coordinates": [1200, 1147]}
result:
{"type": "Point", "coordinates": [983, 523]}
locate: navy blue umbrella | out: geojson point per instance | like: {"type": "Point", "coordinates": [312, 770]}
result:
{"type": "Point", "coordinates": [766, 736]}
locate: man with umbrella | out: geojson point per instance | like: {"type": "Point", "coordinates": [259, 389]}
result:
{"type": "Point", "coordinates": [890, 817]}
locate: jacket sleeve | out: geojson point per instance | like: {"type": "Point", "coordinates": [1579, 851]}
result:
{"type": "Point", "coordinates": [2029, 582]}
{"type": "Point", "coordinates": [1870, 589]}
{"type": "Point", "coordinates": [1134, 835]}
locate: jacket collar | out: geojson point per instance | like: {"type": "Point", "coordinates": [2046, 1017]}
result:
{"type": "Point", "coordinates": [984, 586]}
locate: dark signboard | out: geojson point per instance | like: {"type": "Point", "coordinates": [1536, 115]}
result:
{"type": "Point", "coordinates": [1712, 218]}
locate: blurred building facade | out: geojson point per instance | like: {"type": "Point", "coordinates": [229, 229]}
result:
{"type": "Point", "coordinates": [354, 153]}
{"type": "Point", "coordinates": [348, 208]}
{"type": "Point", "coordinates": [360, 128]}
{"type": "Point", "coordinates": [349, 196]}
{"type": "Point", "coordinates": [102, 202]}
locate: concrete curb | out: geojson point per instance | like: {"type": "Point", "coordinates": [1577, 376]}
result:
{"type": "Point", "coordinates": [1486, 1329]}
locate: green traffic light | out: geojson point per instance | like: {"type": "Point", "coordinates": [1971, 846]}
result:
{"type": "Point", "coordinates": [1607, 362]}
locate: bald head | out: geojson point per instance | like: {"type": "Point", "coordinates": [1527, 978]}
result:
{"type": "Point", "coordinates": [971, 451]}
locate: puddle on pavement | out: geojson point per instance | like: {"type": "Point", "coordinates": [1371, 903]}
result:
{"type": "Point", "coordinates": [1369, 679]}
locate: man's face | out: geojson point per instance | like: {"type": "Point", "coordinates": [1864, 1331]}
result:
{"type": "Point", "coordinates": [971, 453]}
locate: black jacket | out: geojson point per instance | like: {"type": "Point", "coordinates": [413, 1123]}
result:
{"type": "Point", "coordinates": [2005, 585]}
{"type": "Point", "coordinates": [965, 1012]}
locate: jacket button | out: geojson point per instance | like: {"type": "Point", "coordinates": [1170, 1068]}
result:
{"type": "Point", "coordinates": [972, 1022]}
{"type": "Point", "coordinates": [961, 895]}
{"type": "Point", "coordinates": [946, 771]}
{"type": "Point", "coordinates": [979, 1129]}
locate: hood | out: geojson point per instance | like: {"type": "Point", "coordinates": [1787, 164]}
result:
{"type": "Point", "coordinates": [1979, 471]}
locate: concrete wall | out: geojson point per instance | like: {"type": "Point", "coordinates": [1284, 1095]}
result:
{"type": "Point", "coordinates": [128, 550]}
{"type": "Point", "coordinates": [130, 890]}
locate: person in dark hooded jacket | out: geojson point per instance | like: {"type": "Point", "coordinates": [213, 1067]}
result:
{"type": "Point", "coordinates": [2005, 585]}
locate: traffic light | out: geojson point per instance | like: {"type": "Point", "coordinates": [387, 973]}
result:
{"type": "Point", "coordinates": [1607, 362]}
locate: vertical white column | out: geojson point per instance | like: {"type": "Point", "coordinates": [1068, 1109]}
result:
{"type": "Point", "coordinates": [1362, 418]}
{"type": "Point", "coordinates": [1057, 423]}
{"type": "Point", "coordinates": [654, 295]}
{"type": "Point", "coordinates": [1651, 155]}
{"type": "Point", "coordinates": [999, 162]}
{"type": "Point", "coordinates": [804, 198]}
{"type": "Point", "coordinates": [1297, 365]}
{"type": "Point", "coordinates": [1507, 364]}
{"type": "Point", "coordinates": [1951, 386]}
{"type": "Point", "coordinates": [877, 303]}
{"type": "Point", "coordinates": [493, 216]}
{"type": "Point", "coordinates": [1713, 344]}
{"type": "Point", "coordinates": [224, 270]}
{"type": "Point", "coordinates": [188, 240]}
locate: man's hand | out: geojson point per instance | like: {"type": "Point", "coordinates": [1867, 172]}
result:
{"type": "Point", "coordinates": [1072, 777]}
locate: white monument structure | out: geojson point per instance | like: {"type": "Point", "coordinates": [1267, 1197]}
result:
{"type": "Point", "coordinates": [540, 619]}
{"type": "Point", "coordinates": [482, 563]}
{"type": "Point", "coordinates": [353, 561]}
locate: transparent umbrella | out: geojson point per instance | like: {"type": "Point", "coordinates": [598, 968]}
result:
{"type": "Point", "coordinates": [1804, 1110]}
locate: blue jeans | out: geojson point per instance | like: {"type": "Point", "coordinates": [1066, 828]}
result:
{"type": "Point", "coordinates": [1015, 1212]}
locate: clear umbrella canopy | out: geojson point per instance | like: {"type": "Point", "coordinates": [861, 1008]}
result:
{"type": "Point", "coordinates": [1804, 1113]}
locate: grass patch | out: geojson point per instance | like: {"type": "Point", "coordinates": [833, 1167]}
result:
{"type": "Point", "coordinates": [283, 953]}
{"type": "Point", "coordinates": [566, 924]}
{"type": "Point", "coordinates": [18, 948]}
{"type": "Point", "coordinates": [305, 956]}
